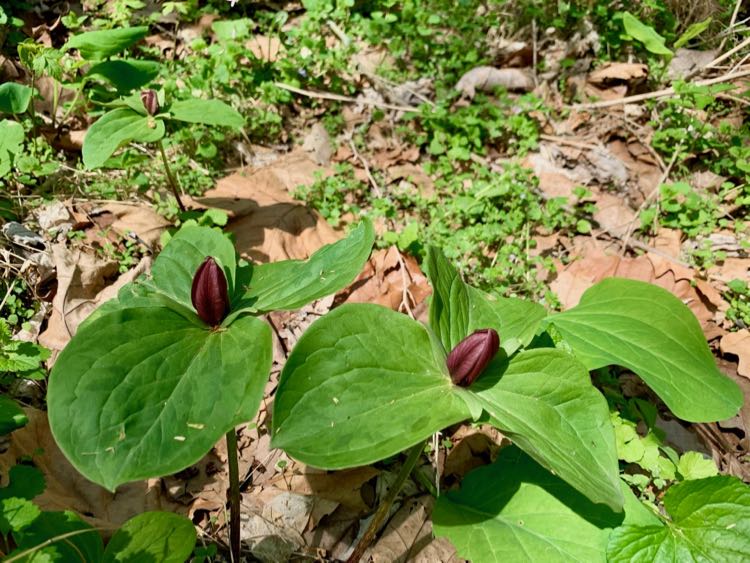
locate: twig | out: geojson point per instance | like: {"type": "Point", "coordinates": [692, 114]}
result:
{"type": "Point", "coordinates": [234, 496]}
{"type": "Point", "coordinates": [658, 93]}
{"type": "Point", "coordinates": [732, 21]}
{"type": "Point", "coordinates": [370, 177]}
{"type": "Point", "coordinates": [720, 59]}
{"type": "Point", "coordinates": [569, 142]}
{"type": "Point", "coordinates": [385, 505]}
{"type": "Point", "coordinates": [647, 200]}
{"type": "Point", "coordinates": [405, 293]}
{"type": "Point", "coordinates": [348, 99]}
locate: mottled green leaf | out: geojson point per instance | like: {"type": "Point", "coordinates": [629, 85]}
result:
{"type": "Point", "coordinates": [115, 129]}
{"type": "Point", "coordinates": [544, 401]}
{"type": "Point", "coordinates": [143, 391]}
{"type": "Point", "coordinates": [515, 510]}
{"type": "Point", "coordinates": [152, 536]}
{"type": "Point", "coordinates": [289, 284]}
{"type": "Point", "coordinates": [648, 330]}
{"type": "Point", "coordinates": [362, 383]}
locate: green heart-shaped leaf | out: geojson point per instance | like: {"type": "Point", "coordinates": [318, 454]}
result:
{"type": "Point", "coordinates": [144, 391]}
{"type": "Point", "coordinates": [457, 309]}
{"type": "Point", "coordinates": [289, 284]}
{"type": "Point", "coordinates": [152, 536]}
{"type": "Point", "coordinates": [515, 510]}
{"type": "Point", "coordinates": [113, 130]}
{"type": "Point", "coordinates": [362, 383]}
{"type": "Point", "coordinates": [648, 330]}
{"type": "Point", "coordinates": [544, 400]}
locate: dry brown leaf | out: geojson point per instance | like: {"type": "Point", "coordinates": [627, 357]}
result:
{"type": "Point", "coordinates": [488, 79]}
{"type": "Point", "coordinates": [613, 214]}
{"type": "Point", "coordinates": [67, 489]}
{"type": "Point", "coordinates": [382, 281]}
{"type": "Point", "coordinates": [668, 241]}
{"type": "Point", "coordinates": [619, 71]}
{"type": "Point", "coordinates": [596, 265]}
{"type": "Point", "coordinates": [738, 343]}
{"type": "Point", "coordinates": [139, 219]}
{"type": "Point", "coordinates": [689, 61]}
{"type": "Point", "coordinates": [731, 269]}
{"type": "Point", "coordinates": [472, 447]}
{"type": "Point", "coordinates": [318, 143]}
{"type": "Point", "coordinates": [83, 283]}
{"type": "Point", "coordinates": [343, 487]}
{"type": "Point", "coordinates": [265, 48]}
{"type": "Point", "coordinates": [269, 224]}
{"type": "Point", "coordinates": [408, 537]}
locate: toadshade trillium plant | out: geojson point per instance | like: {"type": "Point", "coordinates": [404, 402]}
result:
{"type": "Point", "coordinates": [154, 378]}
{"type": "Point", "coordinates": [364, 383]}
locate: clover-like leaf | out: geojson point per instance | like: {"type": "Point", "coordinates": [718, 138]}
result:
{"type": "Point", "coordinates": [709, 521]}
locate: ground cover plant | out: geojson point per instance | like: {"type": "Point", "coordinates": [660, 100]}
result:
{"type": "Point", "coordinates": [377, 281]}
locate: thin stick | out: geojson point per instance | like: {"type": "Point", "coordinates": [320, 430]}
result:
{"type": "Point", "coordinates": [385, 506]}
{"type": "Point", "coordinates": [658, 93]}
{"type": "Point", "coordinates": [373, 182]}
{"type": "Point", "coordinates": [720, 59]}
{"type": "Point", "coordinates": [340, 98]}
{"type": "Point", "coordinates": [61, 537]}
{"type": "Point", "coordinates": [170, 178]}
{"type": "Point", "coordinates": [234, 496]}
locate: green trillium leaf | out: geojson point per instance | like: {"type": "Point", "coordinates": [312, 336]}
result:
{"type": "Point", "coordinates": [544, 400]}
{"type": "Point", "coordinates": [144, 391]}
{"type": "Point", "coordinates": [115, 129]}
{"type": "Point", "coordinates": [362, 383]}
{"type": "Point", "coordinates": [105, 43]}
{"type": "Point", "coordinates": [289, 284]}
{"type": "Point", "coordinates": [515, 510]}
{"type": "Point", "coordinates": [207, 112]}
{"type": "Point", "coordinates": [457, 309]}
{"type": "Point", "coordinates": [152, 536]}
{"type": "Point", "coordinates": [649, 331]}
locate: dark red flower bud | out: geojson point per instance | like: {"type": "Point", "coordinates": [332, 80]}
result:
{"type": "Point", "coordinates": [209, 293]}
{"type": "Point", "coordinates": [470, 356]}
{"type": "Point", "coordinates": [150, 101]}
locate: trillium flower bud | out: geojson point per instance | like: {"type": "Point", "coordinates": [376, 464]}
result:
{"type": "Point", "coordinates": [209, 294]}
{"type": "Point", "coordinates": [470, 356]}
{"type": "Point", "coordinates": [150, 101]}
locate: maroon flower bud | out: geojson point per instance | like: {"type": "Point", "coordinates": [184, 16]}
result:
{"type": "Point", "coordinates": [209, 293]}
{"type": "Point", "coordinates": [150, 101]}
{"type": "Point", "coordinates": [470, 356]}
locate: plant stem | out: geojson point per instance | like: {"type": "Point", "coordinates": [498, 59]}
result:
{"type": "Point", "coordinates": [234, 496]}
{"type": "Point", "coordinates": [170, 177]}
{"type": "Point", "coordinates": [385, 505]}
